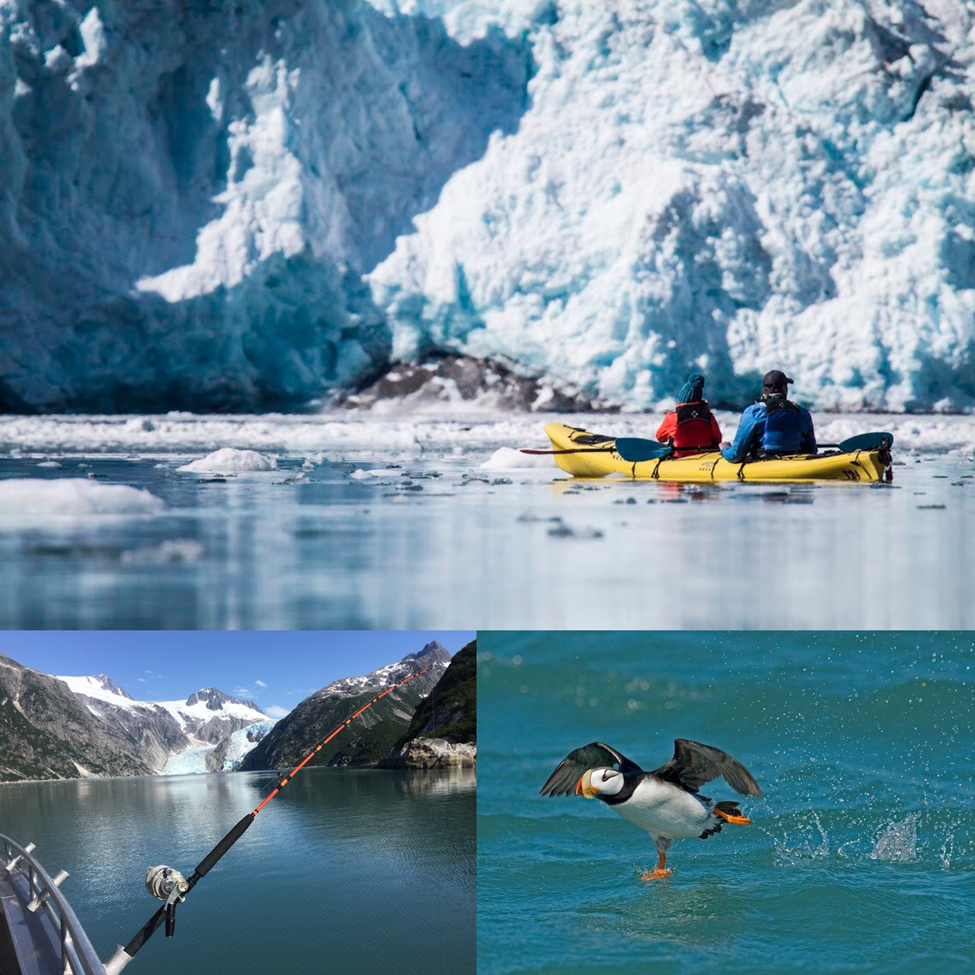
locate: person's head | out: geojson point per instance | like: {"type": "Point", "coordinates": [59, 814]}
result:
{"type": "Point", "coordinates": [693, 390]}
{"type": "Point", "coordinates": [775, 383]}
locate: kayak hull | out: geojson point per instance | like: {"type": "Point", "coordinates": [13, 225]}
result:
{"type": "Point", "coordinates": [596, 458]}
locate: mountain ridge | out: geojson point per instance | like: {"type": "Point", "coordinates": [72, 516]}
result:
{"type": "Point", "coordinates": [373, 731]}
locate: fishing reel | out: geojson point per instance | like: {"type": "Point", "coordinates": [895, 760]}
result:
{"type": "Point", "coordinates": [169, 885]}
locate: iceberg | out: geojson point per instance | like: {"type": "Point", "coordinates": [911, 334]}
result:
{"type": "Point", "coordinates": [34, 501]}
{"type": "Point", "coordinates": [230, 460]}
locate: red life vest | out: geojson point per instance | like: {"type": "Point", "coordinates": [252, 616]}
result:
{"type": "Point", "coordinates": [693, 428]}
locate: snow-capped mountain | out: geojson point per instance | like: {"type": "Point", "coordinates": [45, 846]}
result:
{"type": "Point", "coordinates": [47, 732]}
{"type": "Point", "coordinates": [164, 729]}
{"type": "Point", "coordinates": [259, 202]}
{"type": "Point", "coordinates": [432, 658]}
{"type": "Point", "coordinates": [374, 731]}
{"type": "Point", "coordinates": [100, 687]}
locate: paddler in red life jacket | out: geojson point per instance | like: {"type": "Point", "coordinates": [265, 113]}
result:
{"type": "Point", "coordinates": [774, 426]}
{"type": "Point", "coordinates": [691, 427]}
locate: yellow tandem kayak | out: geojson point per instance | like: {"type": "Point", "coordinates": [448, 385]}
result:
{"type": "Point", "coordinates": [592, 455]}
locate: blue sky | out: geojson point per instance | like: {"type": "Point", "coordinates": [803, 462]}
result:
{"type": "Point", "coordinates": [277, 669]}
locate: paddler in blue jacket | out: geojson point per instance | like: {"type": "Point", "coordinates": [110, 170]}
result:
{"type": "Point", "coordinates": [774, 425]}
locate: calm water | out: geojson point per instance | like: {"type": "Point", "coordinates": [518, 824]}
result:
{"type": "Point", "coordinates": [440, 543]}
{"type": "Point", "coordinates": [365, 871]}
{"type": "Point", "coordinates": [861, 856]}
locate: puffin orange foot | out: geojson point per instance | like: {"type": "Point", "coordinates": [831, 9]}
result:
{"type": "Point", "coordinates": [738, 820]}
{"type": "Point", "coordinates": [656, 874]}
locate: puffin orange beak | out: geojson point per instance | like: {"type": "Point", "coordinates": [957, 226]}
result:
{"type": "Point", "coordinates": [584, 786]}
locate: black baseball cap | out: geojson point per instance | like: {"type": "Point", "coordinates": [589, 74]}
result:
{"type": "Point", "coordinates": [775, 379]}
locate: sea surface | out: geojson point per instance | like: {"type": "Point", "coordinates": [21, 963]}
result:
{"type": "Point", "coordinates": [361, 871]}
{"type": "Point", "coordinates": [383, 522]}
{"type": "Point", "coordinates": [861, 853]}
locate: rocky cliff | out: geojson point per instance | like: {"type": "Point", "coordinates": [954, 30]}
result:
{"type": "Point", "coordinates": [48, 733]}
{"type": "Point", "coordinates": [443, 732]}
{"type": "Point", "coordinates": [374, 731]}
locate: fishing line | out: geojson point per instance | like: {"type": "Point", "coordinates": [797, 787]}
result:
{"type": "Point", "coordinates": [169, 885]}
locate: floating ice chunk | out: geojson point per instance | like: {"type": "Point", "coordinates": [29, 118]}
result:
{"type": "Point", "coordinates": [361, 475]}
{"type": "Point", "coordinates": [509, 459]}
{"type": "Point", "coordinates": [25, 499]}
{"type": "Point", "coordinates": [229, 460]}
{"type": "Point", "coordinates": [48, 463]}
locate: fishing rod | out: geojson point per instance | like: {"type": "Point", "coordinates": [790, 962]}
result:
{"type": "Point", "coordinates": [170, 886]}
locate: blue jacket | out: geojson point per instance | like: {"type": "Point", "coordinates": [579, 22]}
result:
{"type": "Point", "coordinates": [751, 429]}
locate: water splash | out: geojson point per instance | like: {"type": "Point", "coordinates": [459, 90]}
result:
{"type": "Point", "coordinates": [898, 842]}
{"type": "Point", "coordinates": [947, 851]}
{"type": "Point", "coordinates": [809, 849]}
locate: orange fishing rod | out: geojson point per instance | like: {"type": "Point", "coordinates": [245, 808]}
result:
{"type": "Point", "coordinates": [169, 885]}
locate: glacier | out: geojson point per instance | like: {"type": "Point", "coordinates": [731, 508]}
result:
{"type": "Point", "coordinates": [240, 206]}
{"type": "Point", "coordinates": [190, 193]}
{"type": "Point", "coordinates": [725, 186]}
{"type": "Point", "coordinates": [206, 758]}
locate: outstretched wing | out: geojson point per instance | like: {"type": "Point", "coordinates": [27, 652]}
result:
{"type": "Point", "coordinates": [562, 781]}
{"type": "Point", "coordinates": [694, 764]}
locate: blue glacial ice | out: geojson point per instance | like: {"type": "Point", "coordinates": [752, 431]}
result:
{"type": "Point", "coordinates": [726, 185]}
{"type": "Point", "coordinates": [198, 759]}
{"type": "Point", "coordinates": [190, 194]}
{"type": "Point", "coordinates": [260, 203]}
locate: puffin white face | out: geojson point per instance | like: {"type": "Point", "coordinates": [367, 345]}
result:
{"type": "Point", "coordinates": [600, 782]}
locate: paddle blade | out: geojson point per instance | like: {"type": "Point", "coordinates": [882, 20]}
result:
{"type": "Point", "coordinates": [633, 450]}
{"type": "Point", "coordinates": [867, 441]}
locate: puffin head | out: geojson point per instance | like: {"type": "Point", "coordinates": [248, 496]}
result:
{"type": "Point", "coordinates": [599, 782]}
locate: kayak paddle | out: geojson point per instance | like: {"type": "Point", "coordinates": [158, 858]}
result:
{"type": "Point", "coordinates": [863, 441]}
{"type": "Point", "coordinates": [867, 441]}
{"type": "Point", "coordinates": [632, 449]}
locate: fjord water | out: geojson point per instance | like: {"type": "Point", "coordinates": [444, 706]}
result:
{"type": "Point", "coordinates": [861, 852]}
{"type": "Point", "coordinates": [367, 871]}
{"type": "Point", "coordinates": [394, 524]}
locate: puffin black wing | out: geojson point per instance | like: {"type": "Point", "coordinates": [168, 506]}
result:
{"type": "Point", "coordinates": [562, 782]}
{"type": "Point", "coordinates": [694, 764]}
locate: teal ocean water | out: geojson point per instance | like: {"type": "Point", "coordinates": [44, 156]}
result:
{"type": "Point", "coordinates": [861, 853]}
{"type": "Point", "coordinates": [365, 871]}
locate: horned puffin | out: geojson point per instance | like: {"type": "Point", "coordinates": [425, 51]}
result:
{"type": "Point", "coordinates": [664, 802]}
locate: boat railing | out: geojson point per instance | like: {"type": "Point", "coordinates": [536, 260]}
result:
{"type": "Point", "coordinates": [77, 955]}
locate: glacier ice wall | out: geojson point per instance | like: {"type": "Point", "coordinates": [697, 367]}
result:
{"type": "Point", "coordinates": [191, 190]}
{"type": "Point", "coordinates": [217, 205]}
{"type": "Point", "coordinates": [728, 184]}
